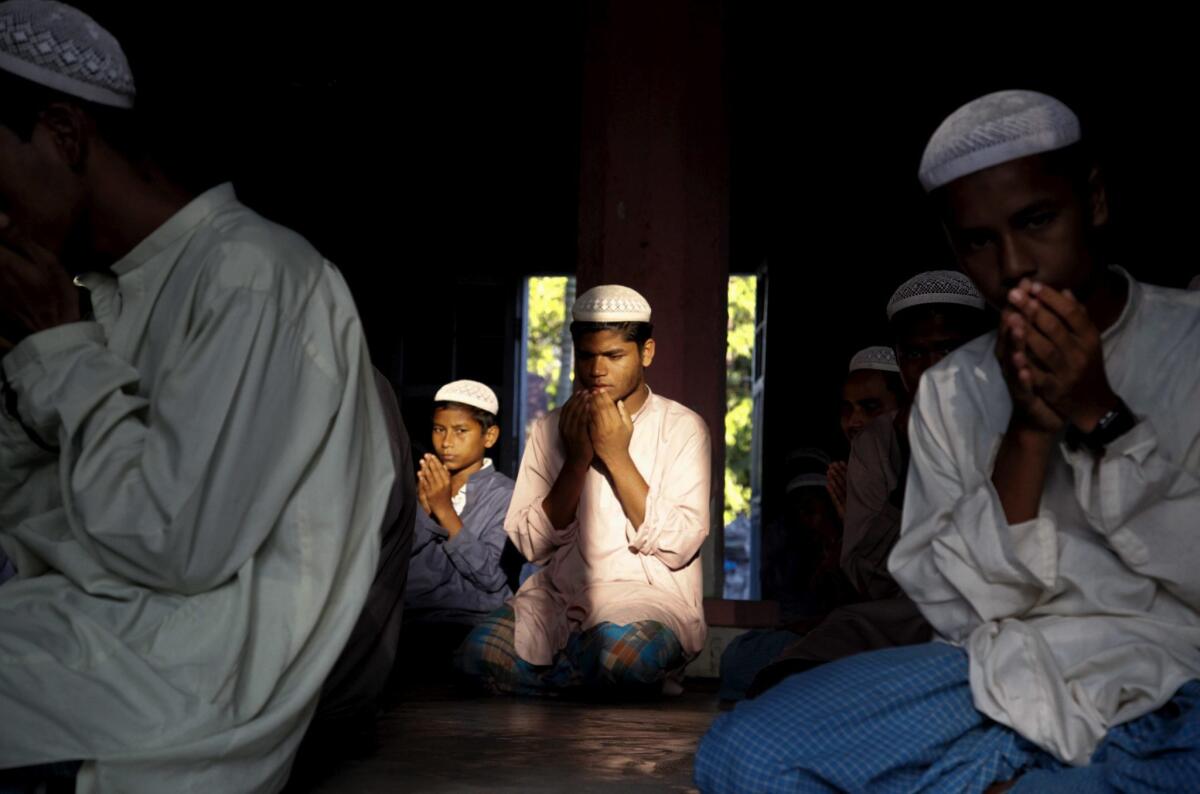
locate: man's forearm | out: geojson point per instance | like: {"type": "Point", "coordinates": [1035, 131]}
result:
{"type": "Point", "coordinates": [631, 489]}
{"type": "Point", "coordinates": [1019, 475]}
{"type": "Point", "coordinates": [562, 502]}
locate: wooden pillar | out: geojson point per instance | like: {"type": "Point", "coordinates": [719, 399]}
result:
{"type": "Point", "coordinates": [654, 187]}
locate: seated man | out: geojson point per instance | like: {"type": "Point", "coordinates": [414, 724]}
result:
{"type": "Point", "coordinates": [192, 485]}
{"type": "Point", "coordinates": [612, 499]}
{"type": "Point", "coordinates": [931, 314]}
{"type": "Point", "coordinates": [801, 571]}
{"type": "Point", "coordinates": [455, 579]}
{"type": "Point", "coordinates": [1048, 527]}
{"type": "Point", "coordinates": [872, 388]}
{"type": "Point", "coordinates": [800, 567]}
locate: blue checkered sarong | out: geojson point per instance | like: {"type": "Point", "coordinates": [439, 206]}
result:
{"type": "Point", "coordinates": [633, 658]}
{"type": "Point", "coordinates": [902, 720]}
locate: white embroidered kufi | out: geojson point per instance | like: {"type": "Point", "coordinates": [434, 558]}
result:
{"type": "Point", "coordinates": [62, 48]}
{"type": "Point", "coordinates": [877, 357]}
{"type": "Point", "coordinates": [935, 286]}
{"type": "Point", "coordinates": [469, 392]}
{"type": "Point", "coordinates": [806, 481]}
{"type": "Point", "coordinates": [611, 303]}
{"type": "Point", "coordinates": [993, 130]}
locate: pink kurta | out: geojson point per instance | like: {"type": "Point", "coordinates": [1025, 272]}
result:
{"type": "Point", "coordinates": [601, 568]}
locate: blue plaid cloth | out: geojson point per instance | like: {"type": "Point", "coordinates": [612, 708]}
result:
{"type": "Point", "coordinates": [902, 720]}
{"type": "Point", "coordinates": [745, 657]}
{"type": "Point", "coordinates": [634, 658]}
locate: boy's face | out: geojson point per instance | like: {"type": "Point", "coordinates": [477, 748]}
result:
{"type": "Point", "coordinates": [865, 396]}
{"type": "Point", "coordinates": [1020, 220]}
{"type": "Point", "coordinates": [605, 361]}
{"type": "Point", "coordinates": [924, 342]}
{"type": "Point", "coordinates": [458, 438]}
{"type": "Point", "coordinates": [810, 510]}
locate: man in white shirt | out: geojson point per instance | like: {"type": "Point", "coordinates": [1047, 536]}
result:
{"type": "Point", "coordinates": [192, 483]}
{"type": "Point", "coordinates": [1049, 519]}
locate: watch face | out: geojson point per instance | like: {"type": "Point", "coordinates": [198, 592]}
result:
{"type": "Point", "coordinates": [1112, 426]}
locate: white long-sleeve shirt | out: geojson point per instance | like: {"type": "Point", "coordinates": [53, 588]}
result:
{"type": "Point", "coordinates": [1089, 615]}
{"type": "Point", "coordinates": [601, 568]}
{"type": "Point", "coordinates": [193, 559]}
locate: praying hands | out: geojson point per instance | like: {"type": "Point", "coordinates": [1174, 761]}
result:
{"type": "Point", "coordinates": [1052, 358]}
{"type": "Point", "coordinates": [610, 428]}
{"type": "Point", "coordinates": [433, 485]}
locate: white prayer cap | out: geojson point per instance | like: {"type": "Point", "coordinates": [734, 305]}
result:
{"type": "Point", "coordinates": [60, 47]}
{"type": "Point", "coordinates": [935, 286]}
{"type": "Point", "coordinates": [816, 455]}
{"type": "Point", "coordinates": [806, 481]}
{"type": "Point", "coordinates": [876, 357]}
{"type": "Point", "coordinates": [611, 303]}
{"type": "Point", "coordinates": [996, 129]}
{"type": "Point", "coordinates": [469, 392]}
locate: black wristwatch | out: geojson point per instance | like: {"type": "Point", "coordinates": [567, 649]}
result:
{"type": "Point", "coordinates": [1114, 424]}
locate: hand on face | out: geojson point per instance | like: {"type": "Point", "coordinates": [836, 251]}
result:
{"type": "Point", "coordinates": [610, 427]}
{"type": "Point", "coordinates": [1030, 411]}
{"type": "Point", "coordinates": [573, 423]}
{"type": "Point", "coordinates": [35, 291]}
{"type": "Point", "coordinates": [1054, 353]}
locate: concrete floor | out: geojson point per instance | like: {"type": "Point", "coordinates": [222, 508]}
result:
{"type": "Point", "coordinates": [442, 742]}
